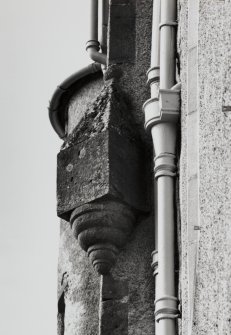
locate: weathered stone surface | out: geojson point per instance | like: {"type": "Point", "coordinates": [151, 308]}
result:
{"type": "Point", "coordinates": [113, 313]}
{"type": "Point", "coordinates": [102, 229]}
{"type": "Point", "coordinates": [61, 307]}
{"type": "Point", "coordinates": [121, 47]}
{"type": "Point", "coordinates": [213, 286]}
{"type": "Point", "coordinates": [82, 292]}
{"type": "Point", "coordinates": [82, 99]}
{"type": "Point", "coordinates": [114, 316]}
{"type": "Point", "coordinates": [83, 174]}
{"type": "Point", "coordinates": [133, 264]}
{"type": "Point", "coordinates": [182, 194]}
{"type": "Point", "coordinates": [204, 182]}
{"type": "Point", "coordinates": [102, 157]}
{"type": "Point", "coordinates": [204, 46]}
{"type": "Point", "coordinates": [133, 78]}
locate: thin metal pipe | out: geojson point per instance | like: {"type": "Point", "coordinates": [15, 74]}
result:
{"type": "Point", "coordinates": [166, 282]}
{"type": "Point", "coordinates": [154, 81]}
{"type": "Point", "coordinates": [168, 43]}
{"type": "Point", "coordinates": [94, 20]}
{"type": "Point", "coordinates": [155, 253]}
{"type": "Point", "coordinates": [164, 138]}
{"type": "Point", "coordinates": [104, 9]}
{"type": "Point", "coordinates": [164, 141]}
{"type": "Point", "coordinates": [155, 54]}
{"type": "Point", "coordinates": [93, 45]}
{"type": "Point", "coordinates": [154, 71]}
{"type": "Point", "coordinates": [161, 114]}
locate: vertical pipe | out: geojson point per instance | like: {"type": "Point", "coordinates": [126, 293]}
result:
{"type": "Point", "coordinates": [166, 302]}
{"type": "Point", "coordinates": [155, 54]}
{"type": "Point", "coordinates": [154, 81]}
{"type": "Point", "coordinates": [93, 45]}
{"type": "Point", "coordinates": [161, 113]}
{"type": "Point", "coordinates": [104, 8]}
{"type": "Point", "coordinates": [154, 71]}
{"type": "Point", "coordinates": [94, 20]}
{"type": "Point", "coordinates": [167, 44]}
{"type": "Point", "coordinates": [166, 282]}
{"type": "Point", "coordinates": [155, 253]}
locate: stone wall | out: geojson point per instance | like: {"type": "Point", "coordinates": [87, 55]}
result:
{"type": "Point", "coordinates": [204, 49]}
{"type": "Point", "coordinates": [203, 188]}
{"type": "Point", "coordinates": [125, 305]}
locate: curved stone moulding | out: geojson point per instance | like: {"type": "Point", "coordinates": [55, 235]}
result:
{"type": "Point", "coordinates": [102, 229]}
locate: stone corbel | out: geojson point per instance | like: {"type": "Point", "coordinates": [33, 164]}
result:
{"type": "Point", "coordinates": [101, 179]}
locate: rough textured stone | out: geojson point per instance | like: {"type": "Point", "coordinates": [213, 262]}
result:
{"type": "Point", "coordinates": [113, 307]}
{"type": "Point", "coordinates": [90, 166]}
{"type": "Point", "coordinates": [121, 47]}
{"type": "Point", "coordinates": [102, 229]}
{"type": "Point", "coordinates": [133, 74]}
{"type": "Point", "coordinates": [205, 266]}
{"type": "Point", "coordinates": [182, 195]}
{"type": "Point", "coordinates": [81, 294]}
{"type": "Point", "coordinates": [212, 305]}
{"type": "Point", "coordinates": [133, 265]}
{"type": "Point", "coordinates": [203, 193]}
{"type": "Point", "coordinates": [81, 101]}
{"type": "Point", "coordinates": [83, 174]}
{"type": "Point", "coordinates": [61, 306]}
{"type": "Point", "coordinates": [134, 262]}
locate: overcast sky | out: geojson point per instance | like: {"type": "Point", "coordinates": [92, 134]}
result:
{"type": "Point", "coordinates": [42, 43]}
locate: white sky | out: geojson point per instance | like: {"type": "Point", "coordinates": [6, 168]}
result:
{"type": "Point", "coordinates": [42, 42]}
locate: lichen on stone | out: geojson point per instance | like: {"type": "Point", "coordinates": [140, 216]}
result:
{"type": "Point", "coordinates": [108, 111]}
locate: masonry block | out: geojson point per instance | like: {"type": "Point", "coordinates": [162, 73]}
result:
{"type": "Point", "coordinates": [103, 157]}
{"type": "Point", "coordinates": [113, 307]}
{"type": "Point", "coordinates": [101, 178]}
{"type": "Point", "coordinates": [122, 32]}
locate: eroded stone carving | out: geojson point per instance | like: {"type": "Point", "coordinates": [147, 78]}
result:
{"type": "Point", "coordinates": [102, 178]}
{"type": "Point", "coordinates": [102, 230]}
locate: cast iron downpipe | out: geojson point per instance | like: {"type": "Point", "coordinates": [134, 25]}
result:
{"type": "Point", "coordinates": [93, 45]}
{"type": "Point", "coordinates": [154, 82]}
{"type": "Point", "coordinates": [65, 90]}
{"type": "Point", "coordinates": [161, 117]}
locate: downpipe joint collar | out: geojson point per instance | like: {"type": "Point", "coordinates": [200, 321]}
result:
{"type": "Point", "coordinates": [165, 108]}
{"type": "Point", "coordinates": [93, 44]}
{"type": "Point", "coordinates": [166, 307]}
{"type": "Point", "coordinates": [153, 75]}
{"type": "Point", "coordinates": [165, 165]}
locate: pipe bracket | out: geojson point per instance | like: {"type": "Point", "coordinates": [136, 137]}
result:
{"type": "Point", "coordinates": [165, 165]}
{"type": "Point", "coordinates": [154, 264]}
{"type": "Point", "coordinates": [168, 24]}
{"type": "Point", "coordinates": [166, 307]}
{"type": "Point", "coordinates": [153, 75]}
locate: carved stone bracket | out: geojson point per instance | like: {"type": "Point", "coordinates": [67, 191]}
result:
{"type": "Point", "coordinates": [102, 230]}
{"type": "Point", "coordinates": [101, 178]}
